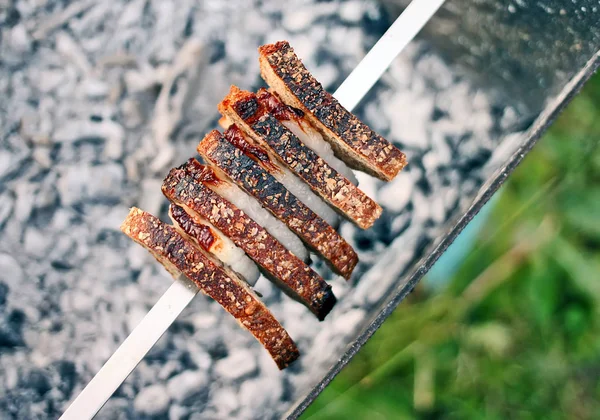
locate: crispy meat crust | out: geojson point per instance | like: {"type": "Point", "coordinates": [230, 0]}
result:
{"type": "Point", "coordinates": [187, 187]}
{"type": "Point", "coordinates": [273, 196]}
{"type": "Point", "coordinates": [354, 142]}
{"type": "Point", "coordinates": [247, 112]}
{"type": "Point", "coordinates": [234, 295]}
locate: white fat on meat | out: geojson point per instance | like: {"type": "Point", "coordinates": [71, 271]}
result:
{"type": "Point", "coordinates": [313, 139]}
{"type": "Point", "coordinates": [252, 208]}
{"type": "Point", "coordinates": [225, 250]}
{"type": "Point", "coordinates": [302, 192]}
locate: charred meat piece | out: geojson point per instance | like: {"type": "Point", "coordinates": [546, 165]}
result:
{"type": "Point", "coordinates": [181, 257]}
{"type": "Point", "coordinates": [297, 122]}
{"type": "Point", "coordinates": [353, 141]}
{"type": "Point", "coordinates": [274, 196]}
{"type": "Point", "coordinates": [217, 181]}
{"type": "Point", "coordinates": [201, 233]}
{"type": "Point", "coordinates": [281, 173]}
{"type": "Point", "coordinates": [253, 209]}
{"type": "Point", "coordinates": [189, 187]}
{"type": "Point", "coordinates": [262, 118]}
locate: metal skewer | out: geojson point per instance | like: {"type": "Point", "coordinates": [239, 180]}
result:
{"type": "Point", "coordinates": [131, 352]}
{"type": "Point", "coordinates": [387, 48]}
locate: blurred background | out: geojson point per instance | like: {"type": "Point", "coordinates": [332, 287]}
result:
{"type": "Point", "coordinates": [515, 332]}
{"type": "Point", "coordinates": [98, 99]}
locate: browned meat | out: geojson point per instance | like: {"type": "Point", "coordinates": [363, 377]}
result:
{"type": "Point", "coordinates": [189, 186]}
{"type": "Point", "coordinates": [181, 257]}
{"type": "Point", "coordinates": [273, 196]}
{"type": "Point", "coordinates": [352, 140]}
{"type": "Point", "coordinates": [250, 113]}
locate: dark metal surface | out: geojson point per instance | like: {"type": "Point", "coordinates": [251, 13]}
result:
{"type": "Point", "coordinates": [527, 50]}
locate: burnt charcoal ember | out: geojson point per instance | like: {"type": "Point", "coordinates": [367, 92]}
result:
{"type": "Point", "coordinates": [36, 379]}
{"type": "Point", "coordinates": [19, 404]}
{"type": "Point", "coordinates": [7, 203]}
{"type": "Point", "coordinates": [3, 293]}
{"type": "Point", "coordinates": [11, 329]}
{"type": "Point", "coordinates": [64, 376]}
{"type": "Point", "coordinates": [117, 408]}
{"type": "Point", "coordinates": [152, 401]}
{"type": "Point", "coordinates": [236, 365]}
{"type": "Point", "coordinates": [187, 386]}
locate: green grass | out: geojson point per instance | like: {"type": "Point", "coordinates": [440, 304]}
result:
{"type": "Point", "coordinates": [517, 332]}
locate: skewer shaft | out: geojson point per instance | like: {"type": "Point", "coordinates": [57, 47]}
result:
{"type": "Point", "coordinates": [132, 351]}
{"type": "Point", "coordinates": [393, 41]}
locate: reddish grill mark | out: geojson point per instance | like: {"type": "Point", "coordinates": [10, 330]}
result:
{"type": "Point", "coordinates": [277, 108]}
{"type": "Point", "coordinates": [200, 172]}
{"type": "Point", "coordinates": [201, 233]}
{"type": "Point", "coordinates": [234, 136]}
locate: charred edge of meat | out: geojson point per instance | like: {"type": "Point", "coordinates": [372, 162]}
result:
{"type": "Point", "coordinates": [329, 112]}
{"type": "Point", "coordinates": [276, 107]}
{"type": "Point", "coordinates": [235, 136]}
{"type": "Point", "coordinates": [311, 228]}
{"type": "Point", "coordinates": [293, 276]}
{"type": "Point", "coordinates": [178, 255]}
{"type": "Point", "coordinates": [199, 172]}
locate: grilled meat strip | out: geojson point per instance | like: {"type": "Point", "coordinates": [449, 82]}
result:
{"type": "Point", "coordinates": [181, 257]}
{"type": "Point", "coordinates": [189, 187]}
{"type": "Point", "coordinates": [199, 232]}
{"type": "Point", "coordinates": [252, 178]}
{"type": "Point", "coordinates": [352, 140]}
{"type": "Point", "coordinates": [251, 114]}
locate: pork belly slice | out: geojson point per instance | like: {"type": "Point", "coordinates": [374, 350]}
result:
{"type": "Point", "coordinates": [281, 173]}
{"type": "Point", "coordinates": [317, 234]}
{"type": "Point", "coordinates": [296, 121]}
{"type": "Point", "coordinates": [249, 205]}
{"type": "Point", "coordinates": [250, 112]}
{"type": "Point", "coordinates": [206, 236]}
{"type": "Point", "coordinates": [352, 140]}
{"type": "Point", "coordinates": [187, 187]}
{"type": "Point", "coordinates": [179, 256]}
